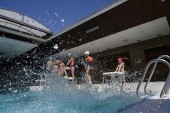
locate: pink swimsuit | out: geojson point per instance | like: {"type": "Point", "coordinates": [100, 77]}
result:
{"type": "Point", "coordinates": [71, 63]}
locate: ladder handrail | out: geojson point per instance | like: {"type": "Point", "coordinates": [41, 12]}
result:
{"type": "Point", "coordinates": [145, 71]}
{"type": "Point", "coordinates": [153, 69]}
{"type": "Point", "coordinates": [165, 88]}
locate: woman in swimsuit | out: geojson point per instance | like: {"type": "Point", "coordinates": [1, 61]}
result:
{"type": "Point", "coordinates": [121, 65]}
{"type": "Point", "coordinates": [120, 68]}
{"type": "Point", "coordinates": [71, 66]}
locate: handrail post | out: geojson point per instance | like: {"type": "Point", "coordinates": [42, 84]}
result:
{"type": "Point", "coordinates": [166, 85]}
{"type": "Point", "coordinates": [143, 76]}
{"type": "Point", "coordinates": [165, 88]}
{"type": "Point", "coordinates": [153, 69]}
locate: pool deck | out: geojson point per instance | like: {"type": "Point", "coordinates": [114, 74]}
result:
{"type": "Point", "coordinates": [154, 87]}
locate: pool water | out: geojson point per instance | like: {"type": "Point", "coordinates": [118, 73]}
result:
{"type": "Point", "coordinates": [61, 97]}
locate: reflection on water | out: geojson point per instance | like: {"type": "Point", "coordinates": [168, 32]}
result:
{"type": "Point", "coordinates": [61, 97]}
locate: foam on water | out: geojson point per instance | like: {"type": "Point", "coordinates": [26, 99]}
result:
{"type": "Point", "coordinates": [61, 97]}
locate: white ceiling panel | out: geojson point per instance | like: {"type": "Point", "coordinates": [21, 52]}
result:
{"type": "Point", "coordinates": [86, 47]}
{"type": "Point", "coordinates": [154, 28]}
{"type": "Point", "coordinates": [111, 38]}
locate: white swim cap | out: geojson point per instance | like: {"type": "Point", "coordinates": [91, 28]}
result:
{"type": "Point", "coordinates": [87, 53]}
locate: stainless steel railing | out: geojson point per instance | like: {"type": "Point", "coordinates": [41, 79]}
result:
{"type": "Point", "coordinates": [166, 86]}
{"type": "Point", "coordinates": [153, 69]}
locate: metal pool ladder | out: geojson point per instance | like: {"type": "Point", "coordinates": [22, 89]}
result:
{"type": "Point", "coordinates": [166, 86]}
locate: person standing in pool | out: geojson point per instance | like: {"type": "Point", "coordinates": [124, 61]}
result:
{"type": "Point", "coordinates": [71, 66]}
{"type": "Point", "coordinates": [88, 61]}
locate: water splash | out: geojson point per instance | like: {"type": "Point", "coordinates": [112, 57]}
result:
{"type": "Point", "coordinates": [61, 97]}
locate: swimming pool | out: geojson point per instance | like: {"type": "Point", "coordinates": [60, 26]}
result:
{"type": "Point", "coordinates": [61, 97]}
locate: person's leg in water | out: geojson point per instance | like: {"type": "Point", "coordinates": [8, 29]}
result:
{"type": "Point", "coordinates": [67, 68]}
{"type": "Point", "coordinates": [88, 74]}
{"type": "Point", "coordinates": [65, 72]}
{"type": "Point", "coordinates": [72, 69]}
{"type": "Point", "coordinates": [62, 71]}
{"type": "Point", "coordinates": [72, 72]}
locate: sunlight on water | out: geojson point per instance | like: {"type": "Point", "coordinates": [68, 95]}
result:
{"type": "Point", "coordinates": [61, 97]}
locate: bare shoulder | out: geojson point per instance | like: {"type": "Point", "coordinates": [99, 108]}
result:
{"type": "Point", "coordinates": [122, 64]}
